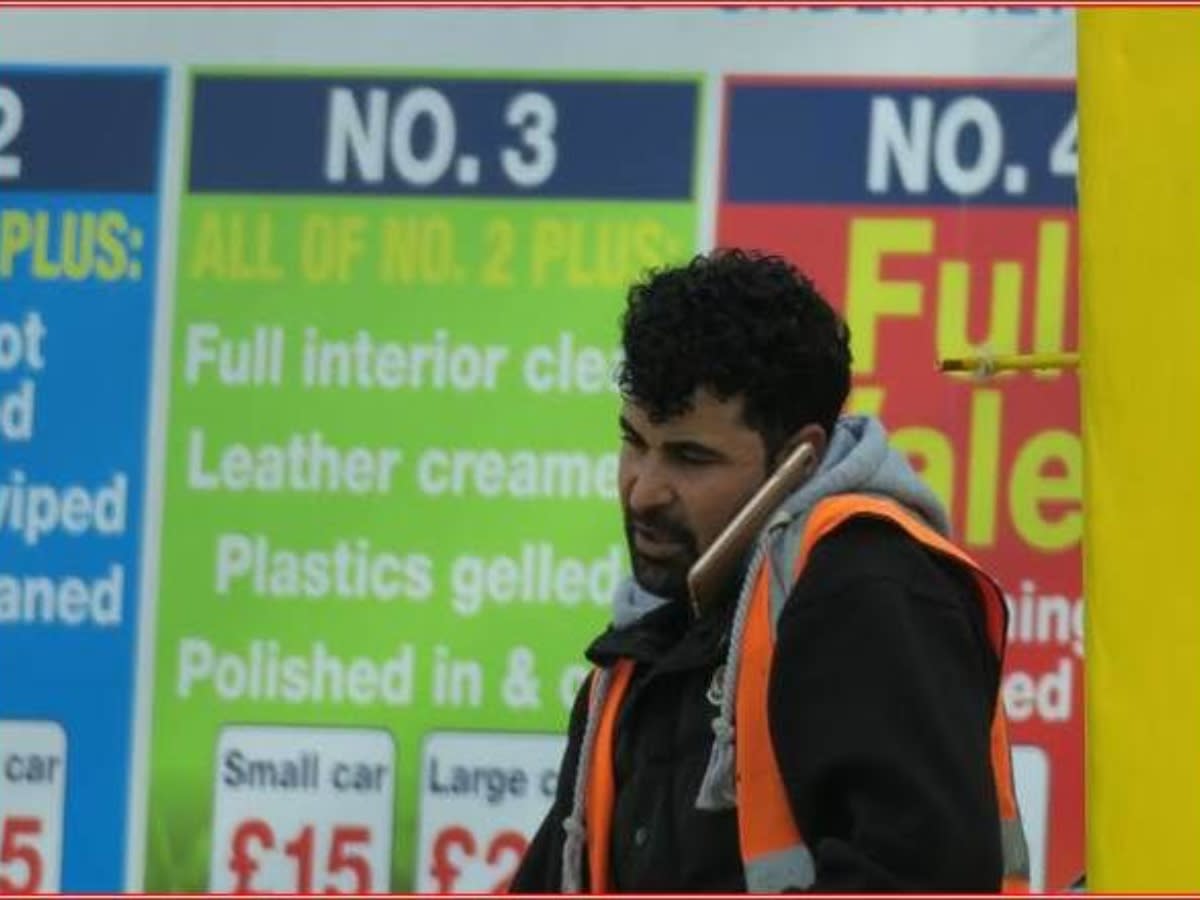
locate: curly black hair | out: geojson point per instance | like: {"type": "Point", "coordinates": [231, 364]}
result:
{"type": "Point", "coordinates": [736, 323]}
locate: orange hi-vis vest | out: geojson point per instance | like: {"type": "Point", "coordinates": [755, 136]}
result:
{"type": "Point", "coordinates": [773, 851]}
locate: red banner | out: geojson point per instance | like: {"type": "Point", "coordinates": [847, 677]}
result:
{"type": "Point", "coordinates": [918, 280]}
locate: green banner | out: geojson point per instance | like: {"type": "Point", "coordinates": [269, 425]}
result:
{"type": "Point", "coordinates": [390, 504]}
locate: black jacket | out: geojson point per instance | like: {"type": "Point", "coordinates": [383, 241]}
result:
{"type": "Point", "coordinates": [880, 704]}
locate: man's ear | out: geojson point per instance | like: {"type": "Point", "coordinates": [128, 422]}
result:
{"type": "Point", "coordinates": [813, 435]}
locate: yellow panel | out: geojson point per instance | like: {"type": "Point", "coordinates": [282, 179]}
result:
{"type": "Point", "coordinates": [1139, 88]}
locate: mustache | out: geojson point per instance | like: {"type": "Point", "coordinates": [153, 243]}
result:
{"type": "Point", "coordinates": [662, 526]}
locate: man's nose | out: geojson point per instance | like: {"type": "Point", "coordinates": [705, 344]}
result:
{"type": "Point", "coordinates": [650, 489]}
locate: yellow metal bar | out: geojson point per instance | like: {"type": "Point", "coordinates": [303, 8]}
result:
{"type": "Point", "coordinates": [1025, 362]}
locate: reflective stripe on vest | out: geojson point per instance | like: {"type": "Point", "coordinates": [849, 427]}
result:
{"type": "Point", "coordinates": [774, 854]}
{"type": "Point", "coordinates": [601, 788]}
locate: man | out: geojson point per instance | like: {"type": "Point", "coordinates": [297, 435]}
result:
{"type": "Point", "coordinates": [830, 722]}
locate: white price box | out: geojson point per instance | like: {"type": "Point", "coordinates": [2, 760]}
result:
{"type": "Point", "coordinates": [33, 781]}
{"type": "Point", "coordinates": [1031, 774]}
{"type": "Point", "coordinates": [302, 810]}
{"type": "Point", "coordinates": [483, 795]}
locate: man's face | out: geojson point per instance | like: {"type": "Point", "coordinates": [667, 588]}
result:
{"type": "Point", "coordinates": [681, 481]}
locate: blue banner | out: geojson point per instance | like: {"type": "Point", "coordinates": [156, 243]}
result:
{"type": "Point", "coordinates": [108, 142]}
{"type": "Point", "coordinates": [826, 142]}
{"type": "Point", "coordinates": [502, 138]}
{"type": "Point", "coordinates": [78, 239]}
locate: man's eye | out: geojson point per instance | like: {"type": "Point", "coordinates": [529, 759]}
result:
{"type": "Point", "coordinates": [691, 458]}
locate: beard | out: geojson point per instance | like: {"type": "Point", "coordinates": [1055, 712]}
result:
{"type": "Point", "coordinates": [661, 573]}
